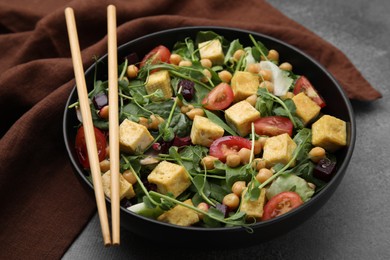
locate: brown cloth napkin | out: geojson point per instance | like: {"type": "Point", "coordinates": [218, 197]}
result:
{"type": "Point", "coordinates": [43, 205]}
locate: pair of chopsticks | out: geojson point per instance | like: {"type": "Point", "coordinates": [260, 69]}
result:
{"type": "Point", "coordinates": [89, 128]}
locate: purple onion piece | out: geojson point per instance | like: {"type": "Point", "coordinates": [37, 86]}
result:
{"type": "Point", "coordinates": [100, 100]}
{"type": "Point", "coordinates": [223, 208]}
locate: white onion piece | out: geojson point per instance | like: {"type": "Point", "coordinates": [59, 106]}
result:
{"type": "Point", "coordinates": [280, 78]}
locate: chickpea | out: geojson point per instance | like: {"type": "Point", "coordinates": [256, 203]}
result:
{"type": "Point", "coordinates": [268, 85]}
{"type": "Point", "coordinates": [195, 112]}
{"type": "Point", "coordinates": [258, 164]}
{"type": "Point", "coordinates": [143, 121]}
{"type": "Point", "coordinates": [253, 68]}
{"type": "Point", "coordinates": [179, 102]}
{"type": "Point", "coordinates": [225, 76]}
{"type": "Point", "coordinates": [185, 63]}
{"type": "Point", "coordinates": [288, 95]}
{"type": "Point", "coordinates": [175, 59]}
{"type": "Point", "coordinates": [258, 147]}
{"type": "Point", "coordinates": [190, 106]}
{"type": "Point", "coordinates": [316, 154]}
{"type": "Point", "coordinates": [285, 66]}
{"type": "Point", "coordinates": [262, 140]}
{"type": "Point", "coordinates": [238, 54]}
{"type": "Point", "coordinates": [208, 162]}
{"type": "Point", "coordinates": [245, 155]}
{"type": "Point", "coordinates": [238, 187]}
{"type": "Point", "coordinates": [263, 175]}
{"type": "Point", "coordinates": [104, 165]}
{"type": "Point", "coordinates": [156, 120]}
{"type": "Point", "coordinates": [129, 176]}
{"type": "Point", "coordinates": [311, 185]}
{"type": "Point", "coordinates": [184, 109]}
{"type": "Point", "coordinates": [233, 160]}
{"type": "Point", "coordinates": [207, 75]}
{"type": "Point", "coordinates": [265, 75]}
{"type": "Point", "coordinates": [132, 71]}
{"type": "Point", "coordinates": [206, 63]}
{"type": "Point", "coordinates": [273, 55]}
{"type": "Point", "coordinates": [107, 151]}
{"type": "Point", "coordinates": [103, 113]}
{"type": "Point", "coordinates": [204, 207]}
{"type": "Point", "coordinates": [252, 99]}
{"type": "Point", "coordinates": [231, 200]}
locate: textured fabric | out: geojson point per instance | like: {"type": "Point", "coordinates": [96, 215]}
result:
{"type": "Point", "coordinates": [43, 205]}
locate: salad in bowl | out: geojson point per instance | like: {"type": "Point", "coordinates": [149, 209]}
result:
{"type": "Point", "coordinates": [215, 132]}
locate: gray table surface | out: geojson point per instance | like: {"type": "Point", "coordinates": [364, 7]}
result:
{"type": "Point", "coordinates": [355, 222]}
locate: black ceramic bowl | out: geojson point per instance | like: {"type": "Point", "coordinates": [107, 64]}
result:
{"type": "Point", "coordinates": [337, 105]}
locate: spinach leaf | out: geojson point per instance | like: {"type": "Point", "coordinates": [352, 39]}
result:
{"type": "Point", "coordinates": [181, 125]}
{"type": "Point", "coordinates": [233, 47]}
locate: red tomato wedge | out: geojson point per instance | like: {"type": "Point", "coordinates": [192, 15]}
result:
{"type": "Point", "coordinates": [304, 85]}
{"type": "Point", "coordinates": [157, 55]}
{"type": "Point", "coordinates": [219, 98]}
{"type": "Point", "coordinates": [273, 125]}
{"type": "Point", "coordinates": [81, 146]}
{"type": "Point", "coordinates": [281, 204]}
{"type": "Point", "coordinates": [225, 145]}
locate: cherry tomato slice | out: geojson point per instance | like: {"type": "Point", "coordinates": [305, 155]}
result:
{"type": "Point", "coordinates": [273, 125]}
{"type": "Point", "coordinates": [81, 146]}
{"type": "Point", "coordinates": [157, 55]}
{"type": "Point", "coordinates": [225, 145]}
{"type": "Point", "coordinates": [219, 98]}
{"type": "Point", "coordinates": [281, 204]}
{"type": "Point", "coordinates": [304, 85]}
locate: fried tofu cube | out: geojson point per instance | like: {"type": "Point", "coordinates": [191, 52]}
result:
{"type": "Point", "coordinates": [278, 149]}
{"type": "Point", "coordinates": [330, 133]}
{"type": "Point", "coordinates": [244, 84]}
{"type": "Point", "coordinates": [240, 116]}
{"type": "Point", "coordinates": [159, 80]}
{"type": "Point", "coordinates": [212, 50]}
{"type": "Point", "coordinates": [253, 209]}
{"type": "Point", "coordinates": [169, 177]}
{"type": "Point", "coordinates": [133, 137]}
{"type": "Point", "coordinates": [180, 215]}
{"type": "Point", "coordinates": [125, 187]}
{"type": "Point", "coordinates": [204, 131]}
{"type": "Point", "coordinates": [306, 108]}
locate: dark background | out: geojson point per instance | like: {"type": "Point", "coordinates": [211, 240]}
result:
{"type": "Point", "coordinates": [355, 222]}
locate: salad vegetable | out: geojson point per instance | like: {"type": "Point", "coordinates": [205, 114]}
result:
{"type": "Point", "coordinates": [214, 133]}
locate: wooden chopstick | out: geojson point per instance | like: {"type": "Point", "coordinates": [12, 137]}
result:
{"type": "Point", "coordinates": [87, 123]}
{"type": "Point", "coordinates": [113, 122]}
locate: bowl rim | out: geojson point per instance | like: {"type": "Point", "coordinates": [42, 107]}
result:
{"type": "Point", "coordinates": [332, 184]}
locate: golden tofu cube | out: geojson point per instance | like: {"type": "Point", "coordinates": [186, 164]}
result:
{"type": "Point", "coordinates": [180, 215]}
{"type": "Point", "coordinates": [133, 137]}
{"type": "Point", "coordinates": [306, 108]}
{"type": "Point", "coordinates": [159, 80]}
{"type": "Point", "coordinates": [278, 149]}
{"type": "Point", "coordinates": [253, 209]}
{"type": "Point", "coordinates": [240, 116]}
{"type": "Point", "coordinates": [204, 131]}
{"type": "Point", "coordinates": [330, 133]}
{"type": "Point", "coordinates": [125, 187]}
{"type": "Point", "coordinates": [169, 177]}
{"type": "Point", "coordinates": [212, 50]}
{"type": "Point", "coordinates": [244, 84]}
